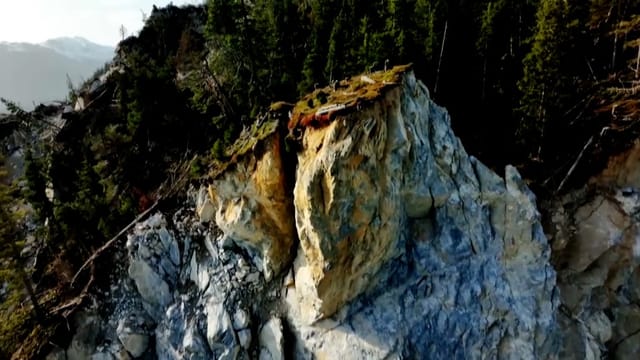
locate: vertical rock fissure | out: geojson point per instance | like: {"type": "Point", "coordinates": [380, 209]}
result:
{"type": "Point", "coordinates": [290, 161]}
{"type": "Point", "coordinates": [362, 237]}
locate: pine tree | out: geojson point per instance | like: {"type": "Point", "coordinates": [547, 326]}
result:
{"type": "Point", "coordinates": [399, 25]}
{"type": "Point", "coordinates": [337, 53]}
{"type": "Point", "coordinates": [35, 191]}
{"type": "Point", "coordinates": [545, 81]}
{"type": "Point", "coordinates": [623, 103]}
{"type": "Point", "coordinates": [319, 16]}
{"type": "Point", "coordinates": [10, 243]}
{"type": "Point", "coordinates": [486, 37]}
{"type": "Point", "coordinates": [425, 27]}
{"type": "Point", "coordinates": [372, 51]}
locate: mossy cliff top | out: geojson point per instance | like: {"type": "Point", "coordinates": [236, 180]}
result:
{"type": "Point", "coordinates": [246, 142]}
{"type": "Point", "coordinates": [344, 96]}
{"type": "Point", "coordinates": [314, 109]}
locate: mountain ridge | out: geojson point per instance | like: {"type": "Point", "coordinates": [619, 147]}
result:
{"type": "Point", "coordinates": [77, 47]}
{"type": "Point", "coordinates": [34, 73]}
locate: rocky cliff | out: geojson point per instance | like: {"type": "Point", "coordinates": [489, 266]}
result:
{"type": "Point", "coordinates": [387, 241]}
{"type": "Point", "coordinates": [595, 232]}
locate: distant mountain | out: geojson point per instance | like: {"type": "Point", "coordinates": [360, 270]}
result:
{"type": "Point", "coordinates": [79, 48]}
{"type": "Point", "coordinates": [35, 73]}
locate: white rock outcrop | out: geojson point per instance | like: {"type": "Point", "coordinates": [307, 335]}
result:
{"type": "Point", "coordinates": [254, 209]}
{"type": "Point", "coordinates": [413, 246]}
{"type": "Point", "coordinates": [220, 334]}
{"type": "Point", "coordinates": [136, 343]}
{"type": "Point", "coordinates": [204, 207]}
{"type": "Point", "coordinates": [154, 264]}
{"type": "Point", "coordinates": [595, 232]}
{"type": "Point", "coordinates": [405, 247]}
{"type": "Point", "coordinates": [272, 340]}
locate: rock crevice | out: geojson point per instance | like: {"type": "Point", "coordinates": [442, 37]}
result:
{"type": "Point", "coordinates": [394, 244]}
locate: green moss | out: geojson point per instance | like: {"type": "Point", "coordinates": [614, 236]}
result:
{"type": "Point", "coordinates": [247, 141]}
{"type": "Point", "coordinates": [281, 106]}
{"type": "Point", "coordinates": [20, 334]}
{"type": "Point", "coordinates": [356, 91]}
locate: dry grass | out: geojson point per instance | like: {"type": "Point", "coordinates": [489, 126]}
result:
{"type": "Point", "coordinates": [246, 142]}
{"type": "Point", "coordinates": [354, 93]}
{"type": "Point", "coordinates": [250, 137]}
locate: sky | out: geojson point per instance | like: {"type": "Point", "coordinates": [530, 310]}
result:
{"type": "Point", "coordinates": [99, 21]}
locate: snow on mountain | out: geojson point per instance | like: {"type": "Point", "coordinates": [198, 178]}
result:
{"type": "Point", "coordinates": [79, 48]}
{"type": "Point", "coordinates": [34, 73]}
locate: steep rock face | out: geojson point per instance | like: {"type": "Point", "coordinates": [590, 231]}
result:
{"type": "Point", "coordinates": [348, 208]}
{"type": "Point", "coordinates": [204, 307]}
{"type": "Point", "coordinates": [595, 233]}
{"type": "Point", "coordinates": [451, 259]}
{"type": "Point", "coordinates": [154, 264]}
{"type": "Point", "coordinates": [408, 248]}
{"type": "Point", "coordinates": [253, 207]}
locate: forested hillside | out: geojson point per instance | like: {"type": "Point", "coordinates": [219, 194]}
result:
{"type": "Point", "coordinates": [525, 81]}
{"type": "Point", "coordinates": [541, 84]}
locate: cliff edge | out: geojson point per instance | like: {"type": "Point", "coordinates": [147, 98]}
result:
{"type": "Point", "coordinates": [387, 241]}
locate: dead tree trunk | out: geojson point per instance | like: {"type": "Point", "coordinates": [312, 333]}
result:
{"type": "Point", "coordinates": [26, 282]}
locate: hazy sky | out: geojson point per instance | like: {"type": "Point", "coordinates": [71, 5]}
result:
{"type": "Point", "coordinates": [97, 20]}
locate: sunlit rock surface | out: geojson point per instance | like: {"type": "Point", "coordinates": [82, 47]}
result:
{"type": "Point", "coordinates": [253, 207]}
{"type": "Point", "coordinates": [393, 243]}
{"type": "Point", "coordinates": [444, 258]}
